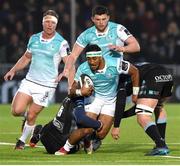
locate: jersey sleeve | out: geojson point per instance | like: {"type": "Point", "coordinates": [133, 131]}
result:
{"type": "Point", "coordinates": [64, 49]}
{"type": "Point", "coordinates": [81, 40]}
{"type": "Point", "coordinates": [123, 66]}
{"type": "Point", "coordinates": [29, 45]}
{"type": "Point", "coordinates": [123, 33]}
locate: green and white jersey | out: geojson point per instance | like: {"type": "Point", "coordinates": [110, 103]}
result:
{"type": "Point", "coordinates": [105, 81]}
{"type": "Point", "coordinates": [115, 34]}
{"type": "Point", "coordinates": [46, 56]}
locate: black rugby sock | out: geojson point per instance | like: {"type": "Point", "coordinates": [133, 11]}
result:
{"type": "Point", "coordinates": [153, 133]}
{"type": "Point", "coordinates": [162, 129]}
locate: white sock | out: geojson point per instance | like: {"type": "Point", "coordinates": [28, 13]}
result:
{"type": "Point", "coordinates": [68, 146]}
{"type": "Point", "coordinates": [27, 130]}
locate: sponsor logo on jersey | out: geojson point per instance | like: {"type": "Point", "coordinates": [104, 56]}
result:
{"type": "Point", "coordinates": [59, 125]}
{"type": "Point", "coordinates": [124, 66]}
{"type": "Point", "coordinates": [163, 78]}
{"type": "Point", "coordinates": [68, 51]}
{"type": "Point", "coordinates": [127, 32]}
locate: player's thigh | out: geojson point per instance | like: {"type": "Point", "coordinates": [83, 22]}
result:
{"type": "Point", "coordinates": [92, 115]}
{"type": "Point", "coordinates": [93, 109]}
{"type": "Point", "coordinates": [20, 102]}
{"type": "Point", "coordinates": [149, 102]}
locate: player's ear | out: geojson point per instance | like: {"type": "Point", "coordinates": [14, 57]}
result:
{"type": "Point", "coordinates": [92, 19]}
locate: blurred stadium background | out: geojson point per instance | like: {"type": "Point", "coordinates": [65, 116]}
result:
{"type": "Point", "coordinates": [155, 23]}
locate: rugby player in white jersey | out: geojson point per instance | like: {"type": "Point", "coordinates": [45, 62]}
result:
{"type": "Point", "coordinates": [105, 75]}
{"type": "Point", "coordinates": [44, 53]}
{"type": "Point", "coordinates": [113, 39]}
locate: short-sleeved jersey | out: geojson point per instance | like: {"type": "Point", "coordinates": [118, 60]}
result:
{"type": "Point", "coordinates": [105, 81]}
{"type": "Point", "coordinates": [46, 56]}
{"type": "Point", "coordinates": [115, 34]}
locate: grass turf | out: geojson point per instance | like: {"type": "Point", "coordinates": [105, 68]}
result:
{"type": "Point", "coordinates": [129, 149]}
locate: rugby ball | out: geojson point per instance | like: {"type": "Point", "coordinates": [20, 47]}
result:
{"type": "Point", "coordinates": [86, 80]}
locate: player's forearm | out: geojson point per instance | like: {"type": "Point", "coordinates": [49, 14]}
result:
{"type": "Point", "coordinates": [76, 51]}
{"type": "Point", "coordinates": [70, 63]}
{"type": "Point", "coordinates": [21, 64]}
{"type": "Point", "coordinates": [120, 106]}
{"type": "Point", "coordinates": [134, 72]}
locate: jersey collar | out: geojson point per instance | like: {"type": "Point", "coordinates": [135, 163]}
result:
{"type": "Point", "coordinates": [102, 70]}
{"type": "Point", "coordinates": [101, 34]}
{"type": "Point", "coordinates": [42, 40]}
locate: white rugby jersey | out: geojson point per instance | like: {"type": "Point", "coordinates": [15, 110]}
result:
{"type": "Point", "coordinates": [105, 81]}
{"type": "Point", "coordinates": [46, 56]}
{"type": "Point", "coordinates": [115, 34]}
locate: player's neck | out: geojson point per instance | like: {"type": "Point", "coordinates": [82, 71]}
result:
{"type": "Point", "coordinates": [103, 30]}
{"type": "Point", "coordinates": [47, 36]}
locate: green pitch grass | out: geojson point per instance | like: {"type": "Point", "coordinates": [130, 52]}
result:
{"type": "Point", "coordinates": [129, 149]}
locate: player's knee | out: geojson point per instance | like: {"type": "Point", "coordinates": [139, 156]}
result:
{"type": "Point", "coordinates": [16, 111]}
{"type": "Point", "coordinates": [144, 113]}
{"type": "Point", "coordinates": [101, 134]}
{"type": "Point", "coordinates": [142, 109]}
{"type": "Point", "coordinates": [85, 131]}
{"type": "Point", "coordinates": [88, 131]}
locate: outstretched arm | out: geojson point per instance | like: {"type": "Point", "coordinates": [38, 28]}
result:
{"type": "Point", "coordinates": [121, 98]}
{"type": "Point", "coordinates": [120, 106]}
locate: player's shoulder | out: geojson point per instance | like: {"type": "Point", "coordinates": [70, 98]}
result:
{"type": "Point", "coordinates": [114, 25]}
{"type": "Point", "coordinates": [84, 65]}
{"type": "Point", "coordinates": [59, 37]}
{"type": "Point", "coordinates": [84, 68]}
{"type": "Point", "coordinates": [36, 35]}
{"type": "Point", "coordinates": [111, 61]}
{"type": "Point", "coordinates": [88, 31]}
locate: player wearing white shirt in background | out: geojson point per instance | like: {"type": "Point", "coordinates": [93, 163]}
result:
{"type": "Point", "coordinates": [44, 53]}
{"type": "Point", "coordinates": [113, 39]}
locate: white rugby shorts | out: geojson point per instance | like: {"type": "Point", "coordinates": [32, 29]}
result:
{"type": "Point", "coordinates": [99, 106]}
{"type": "Point", "coordinates": [41, 95]}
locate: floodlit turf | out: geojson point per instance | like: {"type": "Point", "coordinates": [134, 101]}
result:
{"type": "Point", "coordinates": [129, 149]}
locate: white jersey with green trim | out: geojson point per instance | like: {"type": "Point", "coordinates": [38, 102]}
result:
{"type": "Point", "coordinates": [115, 34]}
{"type": "Point", "coordinates": [105, 81]}
{"type": "Point", "coordinates": [46, 56]}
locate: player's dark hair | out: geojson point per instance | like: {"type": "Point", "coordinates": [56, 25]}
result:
{"type": "Point", "coordinates": [52, 13]}
{"type": "Point", "coordinates": [99, 10]}
{"type": "Point", "coordinates": [93, 47]}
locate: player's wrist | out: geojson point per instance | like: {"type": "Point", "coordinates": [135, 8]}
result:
{"type": "Point", "coordinates": [135, 90]}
